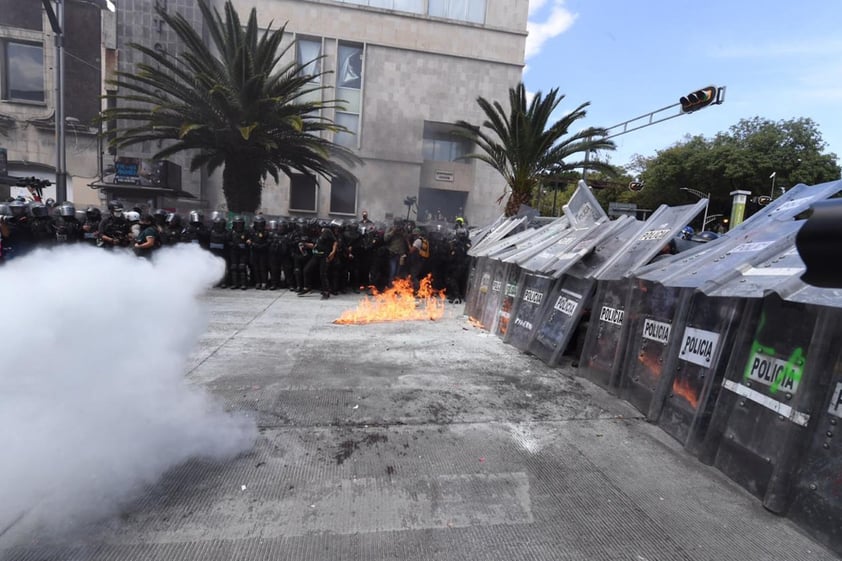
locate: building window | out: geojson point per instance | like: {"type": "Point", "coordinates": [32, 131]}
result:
{"type": "Point", "coordinates": [462, 10]}
{"type": "Point", "coordinates": [441, 145]}
{"type": "Point", "coordinates": [412, 6]}
{"type": "Point", "coordinates": [349, 81]}
{"type": "Point", "coordinates": [302, 193]}
{"type": "Point", "coordinates": [23, 72]}
{"type": "Point", "coordinates": [343, 196]}
{"type": "Point", "coordinates": [308, 54]}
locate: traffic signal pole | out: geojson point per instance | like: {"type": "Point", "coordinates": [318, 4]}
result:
{"type": "Point", "coordinates": [711, 95]}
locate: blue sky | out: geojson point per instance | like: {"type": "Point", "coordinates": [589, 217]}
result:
{"type": "Point", "coordinates": [778, 59]}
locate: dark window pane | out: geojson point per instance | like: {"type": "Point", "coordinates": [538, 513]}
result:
{"type": "Point", "coordinates": [350, 63]}
{"type": "Point", "coordinates": [24, 72]}
{"type": "Point", "coordinates": [302, 193]}
{"type": "Point", "coordinates": [343, 196]}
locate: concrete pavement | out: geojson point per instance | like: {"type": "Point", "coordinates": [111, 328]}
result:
{"type": "Point", "coordinates": [424, 440]}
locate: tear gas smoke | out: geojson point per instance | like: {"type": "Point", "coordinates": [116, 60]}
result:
{"type": "Point", "coordinates": [94, 404]}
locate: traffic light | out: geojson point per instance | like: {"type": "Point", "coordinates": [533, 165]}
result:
{"type": "Point", "coordinates": [762, 200]}
{"type": "Point", "coordinates": [636, 186]}
{"type": "Point", "coordinates": [698, 99]}
{"type": "Point", "coordinates": [818, 242]}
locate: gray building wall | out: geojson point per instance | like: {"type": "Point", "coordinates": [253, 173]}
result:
{"type": "Point", "coordinates": [416, 69]}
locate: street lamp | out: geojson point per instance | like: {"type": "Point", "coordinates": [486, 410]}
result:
{"type": "Point", "coordinates": [706, 197]}
{"type": "Point", "coordinates": [772, 177]}
{"type": "Point", "coordinates": [57, 23]}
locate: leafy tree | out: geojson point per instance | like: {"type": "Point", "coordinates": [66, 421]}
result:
{"type": "Point", "coordinates": [742, 158]}
{"type": "Point", "coordinates": [243, 109]}
{"type": "Point", "coordinates": [525, 148]}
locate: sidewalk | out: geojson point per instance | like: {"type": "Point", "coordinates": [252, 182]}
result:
{"type": "Point", "coordinates": [426, 440]}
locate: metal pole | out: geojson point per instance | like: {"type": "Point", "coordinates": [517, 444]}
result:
{"type": "Point", "coordinates": [61, 156]}
{"type": "Point", "coordinates": [772, 192]}
{"type": "Point", "coordinates": [705, 219]}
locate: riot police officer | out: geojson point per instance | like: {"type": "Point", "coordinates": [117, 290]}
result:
{"type": "Point", "coordinates": [67, 227]}
{"type": "Point", "coordinates": [114, 229]}
{"type": "Point", "coordinates": [90, 227]}
{"type": "Point", "coordinates": [239, 252]}
{"type": "Point", "coordinates": [258, 241]}
{"type": "Point", "coordinates": [196, 232]}
{"type": "Point", "coordinates": [219, 245]}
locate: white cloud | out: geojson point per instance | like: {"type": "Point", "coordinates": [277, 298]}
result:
{"type": "Point", "coordinates": [554, 24]}
{"type": "Point", "coordinates": [535, 5]}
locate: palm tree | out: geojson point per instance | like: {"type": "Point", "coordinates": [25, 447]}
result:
{"type": "Point", "coordinates": [242, 109]}
{"type": "Point", "coordinates": [521, 145]}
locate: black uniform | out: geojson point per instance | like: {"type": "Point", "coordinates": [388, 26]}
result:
{"type": "Point", "coordinates": [258, 240]}
{"type": "Point", "coordinates": [219, 245]}
{"type": "Point", "coordinates": [239, 252]}
{"type": "Point", "coordinates": [321, 254]}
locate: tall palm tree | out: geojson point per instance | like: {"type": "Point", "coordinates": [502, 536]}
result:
{"type": "Point", "coordinates": [522, 145]}
{"type": "Point", "coordinates": [241, 108]}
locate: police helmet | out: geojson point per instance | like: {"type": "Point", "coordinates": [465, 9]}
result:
{"type": "Point", "coordinates": [704, 237]}
{"type": "Point", "coordinates": [238, 223]}
{"type": "Point", "coordinates": [216, 214]}
{"type": "Point", "coordinates": [337, 223]}
{"type": "Point", "coordinates": [160, 216]}
{"type": "Point", "coordinates": [196, 217]}
{"type": "Point", "coordinates": [259, 222]}
{"type": "Point", "coordinates": [687, 232]}
{"type": "Point", "coordinates": [323, 224]}
{"type": "Point", "coordinates": [116, 207]}
{"type": "Point", "coordinates": [219, 224]}
{"type": "Point", "coordinates": [174, 220]}
{"type": "Point", "coordinates": [273, 225]}
{"type": "Point", "coordinates": [93, 213]}
{"type": "Point", "coordinates": [67, 210]}
{"type": "Point", "coordinates": [133, 216]}
{"type": "Point", "coordinates": [39, 210]}
{"type": "Point", "coordinates": [5, 210]}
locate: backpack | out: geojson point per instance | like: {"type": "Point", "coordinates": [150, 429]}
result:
{"type": "Point", "coordinates": [425, 248]}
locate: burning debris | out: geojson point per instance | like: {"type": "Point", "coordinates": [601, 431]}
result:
{"type": "Point", "coordinates": [398, 303]}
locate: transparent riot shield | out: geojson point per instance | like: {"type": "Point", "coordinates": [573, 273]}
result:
{"type": "Point", "coordinates": [604, 346]}
{"type": "Point", "coordinates": [651, 336]}
{"type": "Point", "coordinates": [488, 314]}
{"type": "Point", "coordinates": [530, 303]}
{"type": "Point", "coordinates": [511, 286]}
{"type": "Point", "coordinates": [685, 400]}
{"type": "Point", "coordinates": [760, 423]}
{"type": "Point", "coordinates": [817, 493]}
{"type": "Point", "coordinates": [789, 205]}
{"type": "Point", "coordinates": [566, 307]}
{"type": "Point", "coordinates": [479, 283]}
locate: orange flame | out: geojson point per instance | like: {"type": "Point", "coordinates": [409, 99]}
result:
{"type": "Point", "coordinates": [683, 388]}
{"type": "Point", "coordinates": [476, 323]}
{"type": "Point", "coordinates": [398, 303]}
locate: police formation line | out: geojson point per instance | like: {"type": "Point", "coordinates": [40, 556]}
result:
{"type": "Point", "coordinates": [297, 254]}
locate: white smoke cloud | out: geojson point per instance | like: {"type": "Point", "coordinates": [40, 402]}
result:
{"type": "Point", "coordinates": [557, 21]}
{"type": "Point", "coordinates": [94, 404]}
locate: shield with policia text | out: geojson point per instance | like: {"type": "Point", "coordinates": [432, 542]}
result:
{"type": "Point", "coordinates": [605, 342]}
{"type": "Point", "coordinates": [773, 384]}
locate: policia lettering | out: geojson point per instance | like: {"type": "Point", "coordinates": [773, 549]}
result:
{"type": "Point", "coordinates": [765, 368]}
{"type": "Point", "coordinates": [611, 315]}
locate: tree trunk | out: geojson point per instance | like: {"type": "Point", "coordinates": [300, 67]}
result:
{"type": "Point", "coordinates": [241, 185]}
{"type": "Point", "coordinates": [516, 199]}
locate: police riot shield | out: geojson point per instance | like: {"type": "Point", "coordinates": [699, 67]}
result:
{"type": "Point", "coordinates": [705, 335]}
{"type": "Point", "coordinates": [508, 228]}
{"type": "Point", "coordinates": [511, 285]}
{"type": "Point", "coordinates": [604, 345]}
{"type": "Point", "coordinates": [789, 205]}
{"type": "Point", "coordinates": [652, 309]}
{"type": "Point", "coordinates": [479, 283]}
{"type": "Point", "coordinates": [529, 305]}
{"type": "Point", "coordinates": [760, 423]}
{"type": "Point", "coordinates": [656, 233]}
{"type": "Point", "coordinates": [583, 210]}
{"type": "Point", "coordinates": [488, 314]}
{"type": "Point", "coordinates": [566, 306]}
{"type": "Point", "coordinates": [720, 261]}
{"type": "Point", "coordinates": [585, 244]}
{"type": "Point", "coordinates": [817, 493]}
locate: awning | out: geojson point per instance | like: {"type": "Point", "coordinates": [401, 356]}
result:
{"type": "Point", "coordinates": [130, 190]}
